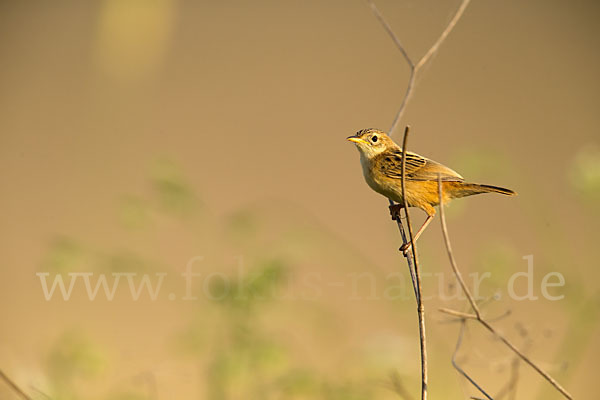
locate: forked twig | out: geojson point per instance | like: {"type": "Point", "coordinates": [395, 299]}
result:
{"type": "Point", "coordinates": [415, 67]}
{"type": "Point", "coordinates": [413, 261]}
{"type": "Point", "coordinates": [477, 315]}
{"type": "Point", "coordinates": [417, 273]}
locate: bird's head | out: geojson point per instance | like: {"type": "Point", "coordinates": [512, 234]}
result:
{"type": "Point", "coordinates": [371, 142]}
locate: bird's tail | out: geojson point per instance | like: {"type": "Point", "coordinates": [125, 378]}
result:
{"type": "Point", "coordinates": [469, 189]}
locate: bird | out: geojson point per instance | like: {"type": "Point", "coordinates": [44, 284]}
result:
{"type": "Point", "coordinates": [381, 161]}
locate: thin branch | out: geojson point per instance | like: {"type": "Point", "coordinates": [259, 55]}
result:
{"type": "Point", "coordinates": [464, 315]}
{"type": "Point", "coordinates": [412, 262]}
{"type": "Point", "coordinates": [390, 32]}
{"type": "Point", "coordinates": [409, 259]}
{"type": "Point", "coordinates": [418, 288]}
{"type": "Point", "coordinates": [483, 322]}
{"type": "Point", "coordinates": [444, 35]}
{"type": "Point", "coordinates": [14, 386]}
{"type": "Point", "coordinates": [458, 368]}
{"type": "Point", "coordinates": [523, 357]}
{"type": "Point", "coordinates": [415, 67]}
{"type": "Point", "coordinates": [458, 314]}
{"type": "Point", "coordinates": [457, 273]}
{"type": "Point", "coordinates": [407, 95]}
{"type": "Point", "coordinates": [405, 206]}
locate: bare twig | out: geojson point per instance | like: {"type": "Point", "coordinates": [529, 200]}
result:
{"type": "Point", "coordinates": [414, 269]}
{"type": "Point", "coordinates": [457, 273]}
{"type": "Point", "coordinates": [415, 67]}
{"type": "Point", "coordinates": [390, 32]}
{"type": "Point", "coordinates": [408, 256]}
{"type": "Point", "coordinates": [464, 315]}
{"type": "Point", "coordinates": [14, 386]}
{"type": "Point", "coordinates": [418, 288]}
{"type": "Point", "coordinates": [523, 357]}
{"type": "Point", "coordinates": [413, 261]}
{"type": "Point", "coordinates": [478, 317]}
{"type": "Point", "coordinates": [445, 33]}
{"type": "Point", "coordinates": [458, 368]}
{"type": "Point", "coordinates": [458, 314]}
{"type": "Point", "coordinates": [405, 207]}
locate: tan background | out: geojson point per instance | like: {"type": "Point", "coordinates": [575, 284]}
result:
{"type": "Point", "coordinates": [136, 135]}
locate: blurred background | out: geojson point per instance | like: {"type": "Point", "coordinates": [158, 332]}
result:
{"type": "Point", "coordinates": [160, 136]}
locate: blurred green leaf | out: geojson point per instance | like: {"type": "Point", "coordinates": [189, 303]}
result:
{"type": "Point", "coordinates": [346, 391]}
{"type": "Point", "coordinates": [125, 261]}
{"type": "Point", "coordinates": [65, 255]}
{"type": "Point", "coordinates": [175, 196]}
{"type": "Point", "coordinates": [298, 382]}
{"type": "Point", "coordinates": [483, 164]}
{"type": "Point", "coordinates": [128, 395]}
{"type": "Point", "coordinates": [584, 174]}
{"type": "Point", "coordinates": [259, 284]}
{"type": "Point", "coordinates": [134, 212]}
{"type": "Point", "coordinates": [243, 223]}
{"type": "Point", "coordinates": [74, 356]}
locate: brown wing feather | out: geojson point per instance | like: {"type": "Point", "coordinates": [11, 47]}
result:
{"type": "Point", "coordinates": [418, 168]}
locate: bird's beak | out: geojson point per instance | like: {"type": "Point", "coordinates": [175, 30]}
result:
{"type": "Point", "coordinates": [355, 139]}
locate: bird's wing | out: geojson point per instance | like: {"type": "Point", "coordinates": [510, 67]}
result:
{"type": "Point", "coordinates": [418, 168]}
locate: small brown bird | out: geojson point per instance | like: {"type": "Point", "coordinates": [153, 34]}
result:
{"type": "Point", "coordinates": [381, 161]}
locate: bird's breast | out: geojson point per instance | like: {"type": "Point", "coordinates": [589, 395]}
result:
{"type": "Point", "coordinates": [383, 185]}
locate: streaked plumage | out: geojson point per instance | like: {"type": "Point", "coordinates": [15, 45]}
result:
{"type": "Point", "coordinates": [381, 161]}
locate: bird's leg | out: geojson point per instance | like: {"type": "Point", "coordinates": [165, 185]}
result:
{"type": "Point", "coordinates": [404, 248]}
{"type": "Point", "coordinates": [395, 211]}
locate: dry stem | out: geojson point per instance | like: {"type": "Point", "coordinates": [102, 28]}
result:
{"type": "Point", "coordinates": [413, 265]}
{"type": "Point", "coordinates": [417, 274]}
{"type": "Point", "coordinates": [413, 261]}
{"type": "Point", "coordinates": [477, 316]}
{"type": "Point", "coordinates": [415, 67]}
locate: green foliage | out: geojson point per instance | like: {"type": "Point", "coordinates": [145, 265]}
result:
{"type": "Point", "coordinates": [65, 255]}
{"type": "Point", "coordinates": [174, 195]}
{"type": "Point", "coordinates": [584, 174]}
{"type": "Point", "coordinates": [134, 212]}
{"type": "Point", "coordinates": [259, 285]}
{"type": "Point", "coordinates": [244, 354]}
{"type": "Point", "coordinates": [127, 395]}
{"type": "Point", "coordinates": [246, 361]}
{"type": "Point", "coordinates": [124, 261]}
{"type": "Point", "coordinates": [73, 358]}
{"type": "Point", "coordinates": [481, 163]}
{"type": "Point", "coordinates": [243, 222]}
{"type": "Point", "coordinates": [299, 382]}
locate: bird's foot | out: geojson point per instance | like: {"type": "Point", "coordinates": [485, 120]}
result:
{"type": "Point", "coordinates": [405, 248]}
{"type": "Point", "coordinates": [395, 211]}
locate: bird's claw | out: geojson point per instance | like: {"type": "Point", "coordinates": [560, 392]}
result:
{"type": "Point", "coordinates": [405, 248]}
{"type": "Point", "coordinates": [395, 211]}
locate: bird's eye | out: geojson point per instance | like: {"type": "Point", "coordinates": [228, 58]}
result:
{"type": "Point", "coordinates": [374, 139]}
